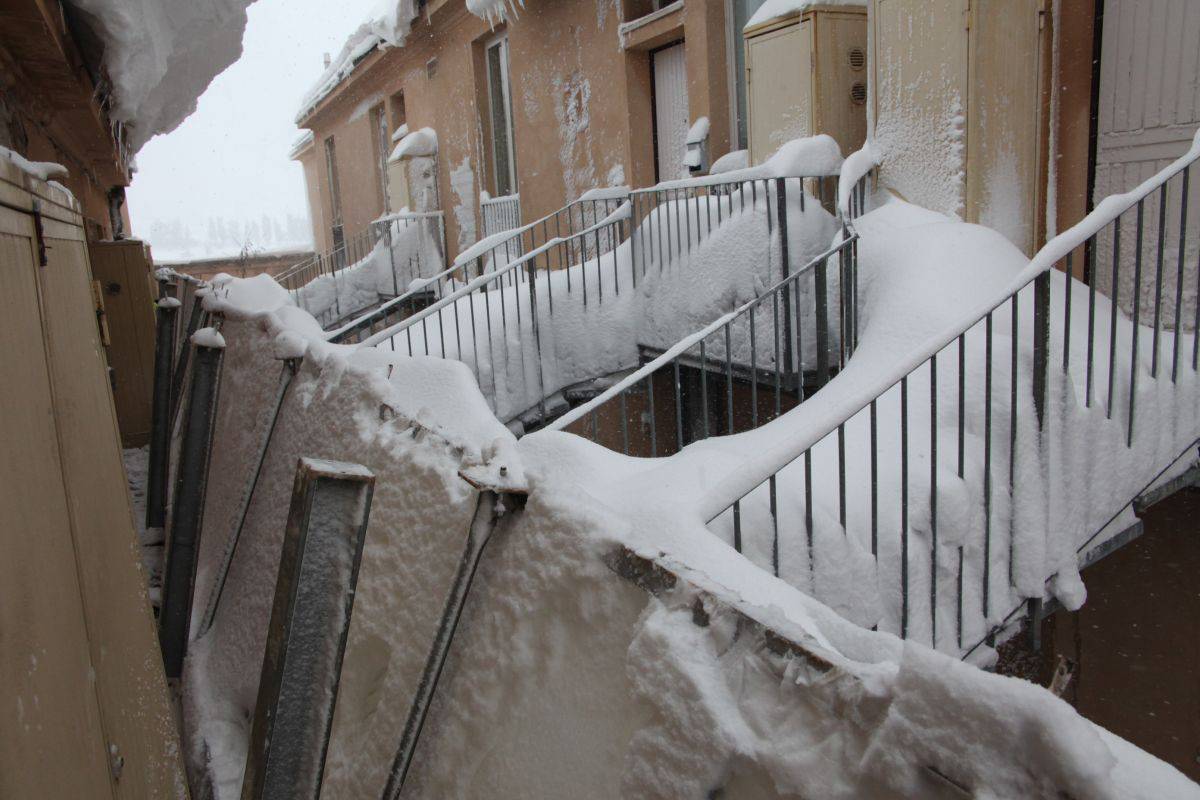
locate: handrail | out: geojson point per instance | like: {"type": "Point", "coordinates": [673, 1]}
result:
{"type": "Point", "coordinates": [622, 213]}
{"type": "Point", "coordinates": [842, 453]}
{"type": "Point", "coordinates": [691, 340]}
{"type": "Point", "coordinates": [742, 481]}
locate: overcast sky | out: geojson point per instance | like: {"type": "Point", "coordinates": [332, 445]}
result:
{"type": "Point", "coordinates": [230, 158]}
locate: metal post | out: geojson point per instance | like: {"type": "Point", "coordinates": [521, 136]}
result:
{"type": "Point", "coordinates": [314, 598]}
{"type": "Point", "coordinates": [1041, 344]}
{"type": "Point", "coordinates": [791, 359]}
{"type": "Point", "coordinates": [181, 361]}
{"type": "Point", "coordinates": [160, 426]}
{"type": "Point", "coordinates": [187, 512]}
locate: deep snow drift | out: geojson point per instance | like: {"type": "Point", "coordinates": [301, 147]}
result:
{"type": "Point", "coordinates": [567, 679]}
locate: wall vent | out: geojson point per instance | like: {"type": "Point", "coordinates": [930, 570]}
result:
{"type": "Point", "coordinates": [858, 93]}
{"type": "Point", "coordinates": [856, 58]}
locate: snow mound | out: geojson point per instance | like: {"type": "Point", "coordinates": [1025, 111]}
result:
{"type": "Point", "coordinates": [420, 143]}
{"type": "Point", "coordinates": [42, 170]}
{"type": "Point", "coordinates": [162, 54]}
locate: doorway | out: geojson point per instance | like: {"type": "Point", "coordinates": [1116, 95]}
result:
{"type": "Point", "coordinates": [668, 81]}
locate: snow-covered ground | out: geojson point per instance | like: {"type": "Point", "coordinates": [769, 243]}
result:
{"type": "Point", "coordinates": [136, 460]}
{"type": "Point", "coordinates": [567, 680]}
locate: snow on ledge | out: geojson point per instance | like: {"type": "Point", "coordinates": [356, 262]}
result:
{"type": "Point", "coordinates": [42, 170]}
{"type": "Point", "coordinates": [779, 9]}
{"type": "Point", "coordinates": [421, 143]}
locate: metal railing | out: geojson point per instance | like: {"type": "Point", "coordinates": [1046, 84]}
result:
{"type": "Point", "coordinates": [498, 249]}
{"type": "Point", "coordinates": [495, 329]}
{"type": "Point", "coordinates": [500, 214]}
{"type": "Point", "coordinates": [744, 369]}
{"type": "Point", "coordinates": [413, 247]}
{"type": "Point", "coordinates": [676, 217]}
{"type": "Point", "coordinates": [994, 387]}
{"type": "Point", "coordinates": [490, 254]}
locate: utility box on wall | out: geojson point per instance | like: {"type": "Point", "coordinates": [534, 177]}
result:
{"type": "Point", "coordinates": [961, 108]}
{"type": "Point", "coordinates": [806, 73]}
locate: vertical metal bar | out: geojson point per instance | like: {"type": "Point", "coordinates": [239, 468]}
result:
{"type": "Point", "coordinates": [1041, 345]}
{"type": "Point", "coordinates": [774, 525]}
{"type": "Point", "coordinates": [737, 525]}
{"type": "Point", "coordinates": [306, 637]}
{"type": "Point", "coordinates": [933, 531]}
{"type": "Point", "coordinates": [1137, 303]}
{"type": "Point", "coordinates": [1068, 285]}
{"type": "Point", "coordinates": [187, 511]}
{"type": "Point", "coordinates": [753, 374]}
{"type": "Point", "coordinates": [704, 388]}
{"type": "Point", "coordinates": [160, 428]}
{"type": "Point", "coordinates": [728, 380]}
{"type": "Point", "coordinates": [808, 522]}
{"type": "Point", "coordinates": [1012, 438]}
{"type": "Point", "coordinates": [987, 470]}
{"type": "Point", "coordinates": [841, 444]}
{"type": "Point", "coordinates": [183, 353]}
{"type": "Point", "coordinates": [1158, 277]}
{"type": "Point", "coordinates": [1112, 323]}
{"type": "Point", "coordinates": [1178, 332]}
{"type": "Point", "coordinates": [904, 507]}
{"type": "Point", "coordinates": [792, 359]}
{"type": "Point", "coordinates": [874, 482]}
{"type": "Point", "coordinates": [678, 407]}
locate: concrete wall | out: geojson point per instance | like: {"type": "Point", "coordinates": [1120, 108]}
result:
{"type": "Point", "coordinates": [581, 107]}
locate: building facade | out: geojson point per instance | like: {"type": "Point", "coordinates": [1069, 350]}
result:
{"type": "Point", "coordinates": [563, 98]}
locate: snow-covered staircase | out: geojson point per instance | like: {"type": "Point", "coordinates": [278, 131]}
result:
{"type": "Point", "coordinates": [943, 485]}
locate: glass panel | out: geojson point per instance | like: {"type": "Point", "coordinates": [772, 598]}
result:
{"type": "Point", "coordinates": [497, 66]}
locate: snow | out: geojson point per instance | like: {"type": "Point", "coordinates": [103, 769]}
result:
{"type": "Point", "coordinates": [856, 167]}
{"type": "Point", "coordinates": [168, 302]}
{"type": "Point", "coordinates": [808, 156]}
{"type": "Point", "coordinates": [302, 143]}
{"type": "Point", "coordinates": [161, 55]}
{"type": "Point", "coordinates": [735, 160]}
{"type": "Point", "coordinates": [698, 132]}
{"type": "Point", "coordinates": [209, 337]}
{"type": "Point", "coordinates": [494, 11]}
{"type": "Point", "coordinates": [778, 9]}
{"type": "Point", "coordinates": [419, 143]}
{"type": "Point", "coordinates": [400, 133]}
{"type": "Point", "coordinates": [566, 680]}
{"type": "Point", "coordinates": [388, 25]}
{"type": "Point", "coordinates": [42, 170]}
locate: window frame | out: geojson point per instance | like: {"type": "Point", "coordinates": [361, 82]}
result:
{"type": "Point", "coordinates": [500, 42]}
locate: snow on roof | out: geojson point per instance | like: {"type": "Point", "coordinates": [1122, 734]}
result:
{"type": "Point", "coordinates": [302, 143]}
{"type": "Point", "coordinates": [777, 9]}
{"type": "Point", "coordinates": [161, 55]}
{"type": "Point", "coordinates": [387, 26]}
{"type": "Point", "coordinates": [418, 143]}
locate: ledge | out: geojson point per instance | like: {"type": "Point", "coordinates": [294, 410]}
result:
{"type": "Point", "coordinates": [658, 27]}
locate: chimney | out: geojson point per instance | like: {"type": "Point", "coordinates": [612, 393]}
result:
{"type": "Point", "coordinates": [326, 59]}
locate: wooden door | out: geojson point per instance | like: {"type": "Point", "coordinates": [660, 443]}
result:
{"type": "Point", "coordinates": [779, 66]}
{"type": "Point", "coordinates": [77, 642]}
{"type": "Point", "coordinates": [122, 269]}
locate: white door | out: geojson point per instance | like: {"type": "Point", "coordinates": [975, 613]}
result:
{"type": "Point", "coordinates": [670, 111]}
{"type": "Point", "coordinates": [1149, 108]}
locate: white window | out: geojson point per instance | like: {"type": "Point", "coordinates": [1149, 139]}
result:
{"type": "Point", "coordinates": [504, 167]}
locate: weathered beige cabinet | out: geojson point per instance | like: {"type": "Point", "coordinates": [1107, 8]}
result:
{"type": "Point", "coordinates": [806, 73]}
{"type": "Point", "coordinates": [960, 108]}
